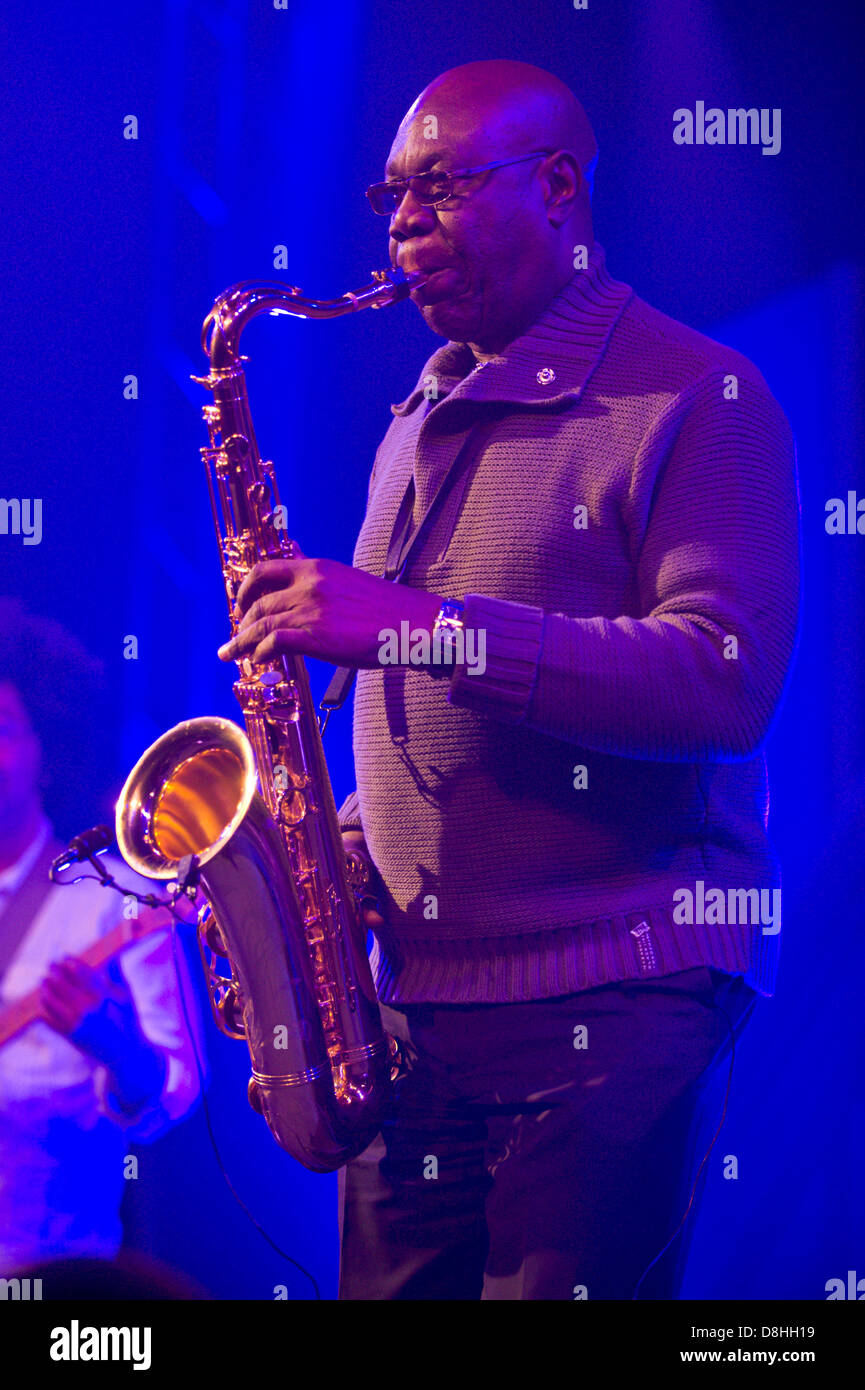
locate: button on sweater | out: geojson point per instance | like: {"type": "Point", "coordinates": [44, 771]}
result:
{"type": "Point", "coordinates": [589, 804]}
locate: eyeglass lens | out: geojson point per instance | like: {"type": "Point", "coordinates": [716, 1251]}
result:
{"type": "Point", "coordinates": [430, 188]}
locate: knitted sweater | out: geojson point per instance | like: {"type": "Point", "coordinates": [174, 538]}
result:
{"type": "Point", "coordinates": [627, 537]}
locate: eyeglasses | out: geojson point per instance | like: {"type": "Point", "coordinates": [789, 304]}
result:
{"type": "Point", "coordinates": [432, 188]}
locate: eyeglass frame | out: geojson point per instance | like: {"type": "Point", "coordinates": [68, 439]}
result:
{"type": "Point", "coordinates": [405, 184]}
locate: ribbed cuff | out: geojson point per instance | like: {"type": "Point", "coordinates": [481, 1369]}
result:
{"type": "Point", "coordinates": [348, 814]}
{"type": "Point", "coordinates": [505, 647]}
{"type": "Point", "coordinates": [546, 963]}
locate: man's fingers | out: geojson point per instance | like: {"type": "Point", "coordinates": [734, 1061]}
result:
{"type": "Point", "coordinates": [244, 642]}
{"type": "Point", "coordinates": [266, 639]}
{"type": "Point", "coordinates": [263, 578]}
{"type": "Point", "coordinates": [75, 980]}
{"type": "Point", "coordinates": [70, 991]}
{"type": "Point", "coordinates": [58, 1009]}
{"type": "Point", "coordinates": [284, 641]}
{"type": "Point", "coordinates": [78, 971]}
{"type": "Point", "coordinates": [264, 646]}
{"type": "Point", "coordinates": [281, 602]}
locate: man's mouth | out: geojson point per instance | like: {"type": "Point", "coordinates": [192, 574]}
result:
{"type": "Point", "coordinates": [438, 285]}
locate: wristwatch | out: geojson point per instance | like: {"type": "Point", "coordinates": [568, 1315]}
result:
{"type": "Point", "coordinates": [445, 629]}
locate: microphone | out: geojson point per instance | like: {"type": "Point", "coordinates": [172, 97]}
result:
{"type": "Point", "coordinates": [83, 846]}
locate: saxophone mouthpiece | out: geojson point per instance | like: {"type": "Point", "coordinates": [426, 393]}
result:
{"type": "Point", "coordinates": [399, 282]}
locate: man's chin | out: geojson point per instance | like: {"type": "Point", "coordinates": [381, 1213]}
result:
{"type": "Point", "coordinates": [449, 319]}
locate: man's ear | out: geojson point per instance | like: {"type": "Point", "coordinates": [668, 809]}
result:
{"type": "Point", "coordinates": [566, 181]}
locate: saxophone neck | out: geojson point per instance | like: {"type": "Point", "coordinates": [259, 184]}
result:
{"type": "Point", "coordinates": [237, 306]}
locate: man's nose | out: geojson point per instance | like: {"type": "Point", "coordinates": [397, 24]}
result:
{"type": "Point", "coordinates": [411, 218]}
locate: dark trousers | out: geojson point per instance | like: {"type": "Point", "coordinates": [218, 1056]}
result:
{"type": "Point", "coordinates": [542, 1150]}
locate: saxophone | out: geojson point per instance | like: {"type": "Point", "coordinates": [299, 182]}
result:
{"type": "Point", "coordinates": [251, 819]}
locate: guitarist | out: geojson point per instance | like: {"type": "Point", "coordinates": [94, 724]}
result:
{"type": "Point", "coordinates": [108, 1061]}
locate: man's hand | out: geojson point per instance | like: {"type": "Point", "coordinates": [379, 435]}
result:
{"type": "Point", "coordinates": [75, 1001]}
{"type": "Point", "coordinates": [324, 609]}
{"type": "Point", "coordinates": [100, 1019]}
{"type": "Point", "coordinates": [371, 918]}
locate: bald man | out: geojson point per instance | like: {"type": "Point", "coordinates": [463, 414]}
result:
{"type": "Point", "coordinates": [591, 514]}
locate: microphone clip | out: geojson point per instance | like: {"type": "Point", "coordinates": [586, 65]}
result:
{"type": "Point", "coordinates": [188, 875]}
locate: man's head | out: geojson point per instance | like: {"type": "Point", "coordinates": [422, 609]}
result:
{"type": "Point", "coordinates": [52, 729]}
{"type": "Point", "coordinates": [505, 239]}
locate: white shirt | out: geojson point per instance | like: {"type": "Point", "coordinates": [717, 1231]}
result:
{"type": "Point", "coordinates": [63, 1141]}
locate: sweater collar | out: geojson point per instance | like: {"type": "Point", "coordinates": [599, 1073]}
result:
{"type": "Point", "coordinates": [551, 361]}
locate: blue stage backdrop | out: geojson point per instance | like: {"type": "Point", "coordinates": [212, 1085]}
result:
{"type": "Point", "coordinates": [160, 152]}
